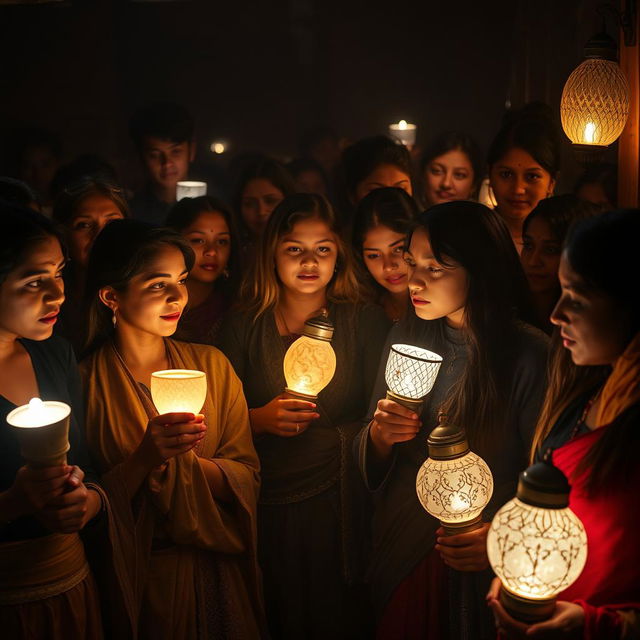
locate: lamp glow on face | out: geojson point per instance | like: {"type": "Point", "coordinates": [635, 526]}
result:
{"type": "Point", "coordinates": [178, 390]}
{"type": "Point", "coordinates": [455, 490]}
{"type": "Point", "coordinates": [536, 553]}
{"type": "Point", "coordinates": [309, 365]}
{"type": "Point", "coordinates": [411, 371]}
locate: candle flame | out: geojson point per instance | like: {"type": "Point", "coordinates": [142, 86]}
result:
{"type": "Point", "coordinates": [402, 124]}
{"type": "Point", "coordinates": [590, 133]}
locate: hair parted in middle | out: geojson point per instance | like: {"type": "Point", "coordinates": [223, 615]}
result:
{"type": "Point", "coordinates": [261, 287]}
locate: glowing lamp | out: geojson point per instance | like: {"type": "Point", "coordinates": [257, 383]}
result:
{"type": "Point", "coordinates": [595, 100]}
{"type": "Point", "coordinates": [310, 362]}
{"type": "Point", "coordinates": [190, 189]}
{"type": "Point", "coordinates": [403, 132]}
{"type": "Point", "coordinates": [410, 374]}
{"type": "Point", "coordinates": [178, 390]}
{"type": "Point", "coordinates": [536, 545]}
{"type": "Point", "coordinates": [218, 147]}
{"type": "Point", "coordinates": [42, 429]}
{"type": "Point", "coordinates": [454, 484]}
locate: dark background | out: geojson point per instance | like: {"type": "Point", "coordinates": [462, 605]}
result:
{"type": "Point", "coordinates": [258, 73]}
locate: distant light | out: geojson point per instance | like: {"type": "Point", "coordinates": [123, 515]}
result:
{"type": "Point", "coordinates": [218, 147]}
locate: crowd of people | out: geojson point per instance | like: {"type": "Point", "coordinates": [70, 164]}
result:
{"type": "Point", "coordinates": [271, 516]}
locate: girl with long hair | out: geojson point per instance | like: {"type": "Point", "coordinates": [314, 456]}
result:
{"type": "Point", "coordinates": [207, 225]}
{"type": "Point", "coordinates": [589, 428]}
{"type": "Point", "coordinates": [468, 294]}
{"type": "Point", "coordinates": [380, 228]}
{"type": "Point", "coordinates": [46, 587]}
{"type": "Point", "coordinates": [182, 486]}
{"type": "Point", "coordinates": [309, 516]}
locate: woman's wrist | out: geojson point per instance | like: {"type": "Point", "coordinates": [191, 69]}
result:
{"type": "Point", "coordinates": [381, 450]}
{"type": "Point", "coordinates": [12, 505]}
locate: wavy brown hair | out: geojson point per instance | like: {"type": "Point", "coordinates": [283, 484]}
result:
{"type": "Point", "coordinates": [261, 286]}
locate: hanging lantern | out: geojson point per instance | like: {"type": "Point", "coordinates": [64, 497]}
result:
{"type": "Point", "coordinates": [595, 100]}
{"type": "Point", "coordinates": [410, 374]}
{"type": "Point", "coordinates": [536, 545]}
{"type": "Point", "coordinates": [454, 484]}
{"type": "Point", "coordinates": [310, 362]}
{"type": "Point", "coordinates": [178, 390]}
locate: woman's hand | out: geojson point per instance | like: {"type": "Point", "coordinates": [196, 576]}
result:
{"type": "Point", "coordinates": [33, 489]}
{"type": "Point", "coordinates": [392, 423]}
{"type": "Point", "coordinates": [283, 416]}
{"type": "Point", "coordinates": [566, 622]}
{"type": "Point", "coordinates": [170, 435]}
{"type": "Point", "coordinates": [464, 551]}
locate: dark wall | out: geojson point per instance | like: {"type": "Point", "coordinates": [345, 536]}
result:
{"type": "Point", "coordinates": [258, 73]}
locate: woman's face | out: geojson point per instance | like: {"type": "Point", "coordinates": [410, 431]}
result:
{"type": "Point", "coordinates": [259, 198]}
{"type": "Point", "coordinates": [92, 215]}
{"type": "Point", "coordinates": [154, 299]}
{"type": "Point", "coordinates": [311, 181]}
{"type": "Point", "coordinates": [592, 326]}
{"type": "Point", "coordinates": [436, 290]}
{"type": "Point", "coordinates": [210, 240]}
{"type": "Point", "coordinates": [384, 175]}
{"type": "Point", "coordinates": [519, 183]}
{"type": "Point", "coordinates": [306, 257]}
{"type": "Point", "coordinates": [382, 252]}
{"type": "Point", "coordinates": [448, 177]}
{"type": "Point", "coordinates": [32, 293]}
{"type": "Point", "coordinates": [540, 257]}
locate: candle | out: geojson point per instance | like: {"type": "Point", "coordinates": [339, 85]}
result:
{"type": "Point", "coordinates": [42, 429]}
{"type": "Point", "coordinates": [403, 132]}
{"type": "Point", "coordinates": [589, 133]}
{"type": "Point", "coordinates": [218, 147]}
{"type": "Point", "coordinates": [190, 189]}
{"type": "Point", "coordinates": [178, 390]}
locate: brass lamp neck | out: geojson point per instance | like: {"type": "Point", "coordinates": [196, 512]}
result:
{"type": "Point", "coordinates": [319, 327]}
{"type": "Point", "coordinates": [446, 441]}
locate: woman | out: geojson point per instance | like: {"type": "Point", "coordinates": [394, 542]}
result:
{"type": "Point", "coordinates": [206, 225]}
{"type": "Point", "coordinates": [590, 422]}
{"type": "Point", "coordinates": [524, 160]}
{"type": "Point", "coordinates": [466, 286]}
{"type": "Point", "coordinates": [261, 186]}
{"type": "Point", "coordinates": [373, 163]}
{"type": "Point", "coordinates": [380, 227]}
{"type": "Point", "coordinates": [451, 168]}
{"type": "Point", "coordinates": [308, 519]}
{"type": "Point", "coordinates": [82, 210]}
{"type": "Point", "coordinates": [46, 590]}
{"type": "Point", "coordinates": [543, 233]}
{"type": "Point", "coordinates": [183, 486]}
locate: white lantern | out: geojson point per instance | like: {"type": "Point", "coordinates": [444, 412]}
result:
{"type": "Point", "coordinates": [536, 545]}
{"type": "Point", "coordinates": [190, 189]}
{"type": "Point", "coordinates": [310, 362]}
{"type": "Point", "coordinates": [403, 132]}
{"type": "Point", "coordinates": [178, 390]}
{"type": "Point", "coordinates": [454, 484]}
{"type": "Point", "coordinates": [410, 374]}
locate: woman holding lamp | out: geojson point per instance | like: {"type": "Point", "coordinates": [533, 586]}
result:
{"type": "Point", "coordinates": [467, 290]}
{"type": "Point", "coordinates": [183, 485]}
{"type": "Point", "coordinates": [46, 588]}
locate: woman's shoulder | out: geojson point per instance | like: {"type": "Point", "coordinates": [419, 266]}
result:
{"type": "Point", "coordinates": [201, 353]}
{"type": "Point", "coordinates": [56, 349]}
{"type": "Point", "coordinates": [530, 342]}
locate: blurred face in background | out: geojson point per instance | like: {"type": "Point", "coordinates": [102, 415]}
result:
{"type": "Point", "coordinates": [384, 175]}
{"type": "Point", "coordinates": [448, 177]}
{"type": "Point", "coordinates": [540, 257]}
{"type": "Point", "coordinates": [167, 162]}
{"type": "Point", "coordinates": [259, 198]}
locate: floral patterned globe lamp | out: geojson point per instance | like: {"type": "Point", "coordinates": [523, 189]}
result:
{"type": "Point", "coordinates": [536, 545]}
{"type": "Point", "coordinates": [310, 362]}
{"type": "Point", "coordinates": [178, 390]}
{"type": "Point", "coordinates": [410, 374]}
{"type": "Point", "coordinates": [454, 484]}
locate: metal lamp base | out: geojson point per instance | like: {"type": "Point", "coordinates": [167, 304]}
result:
{"type": "Point", "coordinates": [526, 610]}
{"type": "Point", "coordinates": [409, 403]}
{"type": "Point", "coordinates": [453, 529]}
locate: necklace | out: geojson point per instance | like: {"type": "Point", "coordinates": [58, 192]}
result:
{"type": "Point", "coordinates": [583, 416]}
{"type": "Point", "coordinates": [284, 322]}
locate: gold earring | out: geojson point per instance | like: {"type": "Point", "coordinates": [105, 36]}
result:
{"type": "Point", "coordinates": [114, 320]}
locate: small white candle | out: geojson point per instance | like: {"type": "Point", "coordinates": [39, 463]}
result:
{"type": "Point", "coordinates": [218, 147]}
{"type": "Point", "coordinates": [404, 132]}
{"type": "Point", "coordinates": [190, 189]}
{"type": "Point", "coordinates": [590, 133]}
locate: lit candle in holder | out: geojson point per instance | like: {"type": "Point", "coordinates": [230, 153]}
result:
{"type": "Point", "coordinates": [178, 390]}
{"type": "Point", "coordinates": [589, 133]}
{"type": "Point", "coordinates": [536, 545]}
{"type": "Point", "coordinates": [42, 429]}
{"type": "Point", "coordinates": [453, 484]}
{"type": "Point", "coordinates": [310, 362]}
{"type": "Point", "coordinates": [190, 189]}
{"type": "Point", "coordinates": [410, 374]}
{"type": "Point", "coordinates": [403, 132]}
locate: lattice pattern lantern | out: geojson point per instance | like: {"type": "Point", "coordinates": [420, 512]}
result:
{"type": "Point", "coordinates": [410, 374]}
{"type": "Point", "coordinates": [454, 484]}
{"type": "Point", "coordinates": [595, 100]}
{"type": "Point", "coordinates": [536, 545]}
{"type": "Point", "coordinates": [178, 390]}
{"type": "Point", "coordinates": [310, 362]}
